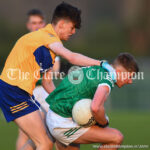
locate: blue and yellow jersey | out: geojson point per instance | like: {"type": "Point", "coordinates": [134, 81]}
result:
{"type": "Point", "coordinates": [30, 55]}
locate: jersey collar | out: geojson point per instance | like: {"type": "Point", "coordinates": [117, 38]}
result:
{"type": "Point", "coordinates": [49, 29]}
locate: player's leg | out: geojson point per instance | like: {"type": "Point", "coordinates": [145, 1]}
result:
{"type": "Point", "coordinates": [66, 131]}
{"type": "Point", "coordinates": [106, 136]}
{"type": "Point", "coordinates": [22, 140]}
{"type": "Point", "coordinates": [29, 145]}
{"type": "Point", "coordinates": [33, 125]}
{"type": "Point", "coordinates": [26, 142]}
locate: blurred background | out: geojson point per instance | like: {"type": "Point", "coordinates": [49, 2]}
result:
{"type": "Point", "coordinates": [108, 28]}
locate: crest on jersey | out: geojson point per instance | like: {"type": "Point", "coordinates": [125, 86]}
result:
{"type": "Point", "coordinates": [75, 75]}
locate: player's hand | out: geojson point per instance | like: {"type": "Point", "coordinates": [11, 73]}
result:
{"type": "Point", "coordinates": [109, 68]}
{"type": "Point", "coordinates": [105, 125]}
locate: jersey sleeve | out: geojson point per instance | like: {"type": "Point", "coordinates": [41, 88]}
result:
{"type": "Point", "coordinates": [50, 38]}
{"type": "Point", "coordinates": [107, 81]}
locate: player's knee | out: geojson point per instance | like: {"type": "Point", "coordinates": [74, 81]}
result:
{"type": "Point", "coordinates": [118, 138]}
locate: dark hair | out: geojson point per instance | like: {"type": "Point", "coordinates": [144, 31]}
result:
{"type": "Point", "coordinates": [66, 11]}
{"type": "Point", "coordinates": [35, 12]}
{"type": "Point", "coordinates": [127, 61]}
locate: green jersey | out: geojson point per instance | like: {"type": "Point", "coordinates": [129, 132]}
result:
{"type": "Point", "coordinates": [77, 85]}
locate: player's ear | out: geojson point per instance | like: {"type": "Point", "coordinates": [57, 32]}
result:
{"type": "Point", "coordinates": [61, 23]}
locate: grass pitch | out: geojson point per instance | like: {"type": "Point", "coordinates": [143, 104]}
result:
{"type": "Point", "coordinates": [133, 125]}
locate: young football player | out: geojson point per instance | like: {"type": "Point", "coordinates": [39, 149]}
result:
{"type": "Point", "coordinates": [34, 53]}
{"type": "Point", "coordinates": [35, 20]}
{"type": "Point", "coordinates": [96, 84]}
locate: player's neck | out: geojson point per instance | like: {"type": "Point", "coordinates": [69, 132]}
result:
{"type": "Point", "coordinates": [56, 29]}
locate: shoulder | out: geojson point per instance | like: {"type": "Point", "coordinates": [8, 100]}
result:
{"type": "Point", "coordinates": [106, 78]}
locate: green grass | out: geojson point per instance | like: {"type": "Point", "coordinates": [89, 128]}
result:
{"type": "Point", "coordinates": [134, 126]}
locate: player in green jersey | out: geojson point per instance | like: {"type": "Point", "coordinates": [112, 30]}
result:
{"type": "Point", "coordinates": [93, 83]}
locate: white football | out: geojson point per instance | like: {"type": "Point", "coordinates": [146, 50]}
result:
{"type": "Point", "coordinates": [82, 114]}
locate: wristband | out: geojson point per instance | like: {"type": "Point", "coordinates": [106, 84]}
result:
{"type": "Point", "coordinates": [109, 68]}
{"type": "Point", "coordinates": [103, 126]}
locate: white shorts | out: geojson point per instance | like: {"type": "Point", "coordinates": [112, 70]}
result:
{"type": "Point", "coordinates": [65, 130]}
{"type": "Point", "coordinates": [40, 95]}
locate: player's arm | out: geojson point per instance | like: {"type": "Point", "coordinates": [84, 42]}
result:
{"type": "Point", "coordinates": [47, 82]}
{"type": "Point", "coordinates": [73, 58]}
{"type": "Point", "coordinates": [97, 106]}
{"type": "Point", "coordinates": [56, 66]}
